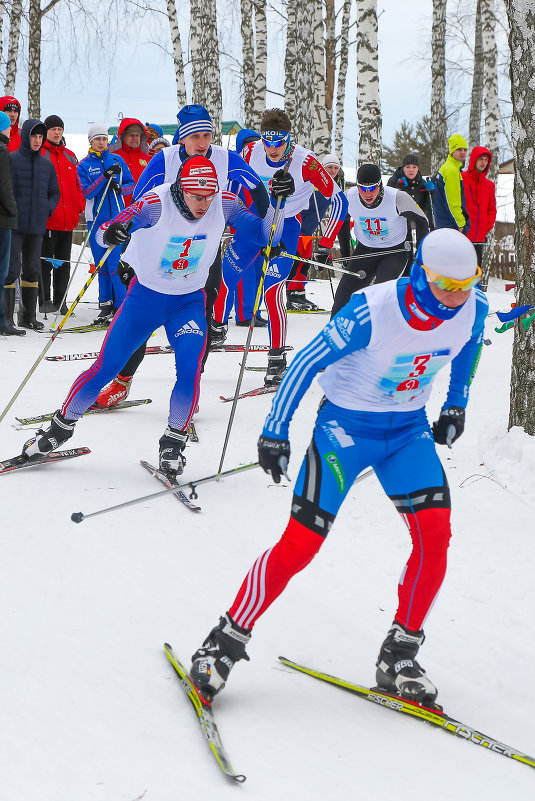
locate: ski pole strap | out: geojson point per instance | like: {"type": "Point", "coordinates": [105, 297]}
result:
{"type": "Point", "coordinates": [77, 517]}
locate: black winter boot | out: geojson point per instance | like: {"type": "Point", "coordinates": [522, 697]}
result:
{"type": "Point", "coordinates": [59, 432]}
{"type": "Point", "coordinates": [7, 328]}
{"type": "Point", "coordinates": [397, 669]}
{"type": "Point", "coordinates": [212, 663]}
{"type": "Point", "coordinates": [29, 292]}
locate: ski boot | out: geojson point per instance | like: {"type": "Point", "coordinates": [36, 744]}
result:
{"type": "Point", "coordinates": [276, 367]}
{"type": "Point", "coordinates": [59, 432]}
{"type": "Point", "coordinates": [258, 323]}
{"type": "Point", "coordinates": [106, 313]}
{"type": "Point", "coordinates": [115, 392]}
{"type": "Point", "coordinates": [212, 663]}
{"type": "Point", "coordinates": [172, 460]}
{"type": "Point", "coordinates": [297, 301]}
{"type": "Point", "coordinates": [397, 670]}
{"type": "Point", "coordinates": [218, 333]}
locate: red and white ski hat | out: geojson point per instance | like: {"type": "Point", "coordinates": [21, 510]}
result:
{"type": "Point", "coordinates": [198, 174]}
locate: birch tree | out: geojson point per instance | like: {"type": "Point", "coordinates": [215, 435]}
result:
{"type": "Point", "coordinates": [521, 15]}
{"type": "Point", "coordinates": [341, 86]}
{"type": "Point", "coordinates": [368, 99]}
{"type": "Point", "coordinates": [476, 104]}
{"type": "Point", "coordinates": [13, 47]}
{"type": "Point", "coordinates": [2, 9]}
{"type": "Point", "coordinates": [330, 63]}
{"type": "Point", "coordinates": [178, 60]}
{"type": "Point", "coordinates": [492, 114]}
{"type": "Point", "coordinates": [248, 61]}
{"type": "Point", "coordinates": [35, 21]}
{"type": "Point", "coordinates": [290, 59]}
{"type": "Point", "coordinates": [260, 62]}
{"type": "Point", "coordinates": [438, 85]}
{"type": "Point", "coordinates": [204, 47]}
{"type": "Point", "coordinates": [304, 74]}
{"type": "Point", "coordinates": [320, 138]}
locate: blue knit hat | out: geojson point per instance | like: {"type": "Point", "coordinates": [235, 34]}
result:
{"type": "Point", "coordinates": [5, 122]}
{"type": "Point", "coordinates": [193, 119]}
{"type": "Point", "coordinates": [157, 128]}
{"type": "Point", "coordinates": [245, 136]}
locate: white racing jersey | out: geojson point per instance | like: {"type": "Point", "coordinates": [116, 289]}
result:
{"type": "Point", "coordinates": [303, 189]}
{"type": "Point", "coordinates": [379, 227]}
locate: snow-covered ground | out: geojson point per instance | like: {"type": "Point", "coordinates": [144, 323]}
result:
{"type": "Point", "coordinates": [90, 707]}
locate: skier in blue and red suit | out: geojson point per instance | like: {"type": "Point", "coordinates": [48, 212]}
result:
{"type": "Point", "coordinates": [380, 354]}
{"type": "Point", "coordinates": [174, 234]}
{"type": "Point", "coordinates": [265, 157]}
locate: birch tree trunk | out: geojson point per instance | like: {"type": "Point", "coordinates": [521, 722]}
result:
{"type": "Point", "coordinates": [368, 99]}
{"type": "Point", "coordinates": [439, 145]}
{"type": "Point", "coordinates": [320, 139]}
{"type": "Point", "coordinates": [290, 60]}
{"type": "Point", "coordinates": [204, 47]}
{"type": "Point", "coordinates": [492, 115]}
{"type": "Point", "coordinates": [260, 62]}
{"type": "Point", "coordinates": [13, 47]}
{"type": "Point", "coordinates": [341, 86]}
{"type": "Point", "coordinates": [178, 61]}
{"type": "Point", "coordinates": [521, 16]}
{"type": "Point", "coordinates": [2, 9]}
{"type": "Point", "coordinates": [303, 77]}
{"type": "Point", "coordinates": [248, 61]}
{"type": "Point", "coordinates": [330, 63]}
{"type": "Point", "coordinates": [34, 59]}
{"type": "Point", "coordinates": [476, 105]}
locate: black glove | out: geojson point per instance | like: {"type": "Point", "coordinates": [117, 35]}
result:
{"type": "Point", "coordinates": [273, 455]}
{"type": "Point", "coordinates": [275, 250]}
{"type": "Point", "coordinates": [324, 257]}
{"type": "Point", "coordinates": [282, 185]}
{"type": "Point", "coordinates": [449, 426]}
{"type": "Point", "coordinates": [125, 272]}
{"type": "Point", "coordinates": [111, 171]}
{"type": "Point", "coordinates": [116, 186]}
{"type": "Point", "coordinates": [116, 234]}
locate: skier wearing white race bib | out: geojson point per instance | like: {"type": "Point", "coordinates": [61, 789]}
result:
{"type": "Point", "coordinates": [174, 233]}
{"type": "Point", "coordinates": [380, 354]}
{"type": "Point", "coordinates": [380, 214]}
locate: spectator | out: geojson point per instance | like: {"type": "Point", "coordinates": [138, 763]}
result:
{"type": "Point", "coordinates": [57, 241]}
{"type": "Point", "coordinates": [153, 132]}
{"type": "Point", "coordinates": [158, 144]}
{"type": "Point", "coordinates": [8, 221]}
{"type": "Point", "coordinates": [11, 106]}
{"type": "Point", "coordinates": [37, 195]}
{"type": "Point", "coordinates": [104, 176]}
{"type": "Point", "coordinates": [132, 147]}
{"type": "Point", "coordinates": [449, 204]}
{"type": "Point", "coordinates": [480, 194]}
{"type": "Point", "coordinates": [409, 179]}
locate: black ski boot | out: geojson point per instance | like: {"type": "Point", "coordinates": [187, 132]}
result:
{"type": "Point", "coordinates": [297, 301]}
{"type": "Point", "coordinates": [29, 292]}
{"type": "Point", "coordinates": [212, 663]}
{"type": "Point", "coordinates": [59, 432]}
{"type": "Point", "coordinates": [172, 444]}
{"type": "Point", "coordinates": [276, 367]}
{"type": "Point", "coordinates": [218, 333]}
{"type": "Point", "coordinates": [7, 328]}
{"type": "Point", "coordinates": [106, 313]}
{"type": "Point", "coordinates": [397, 669]}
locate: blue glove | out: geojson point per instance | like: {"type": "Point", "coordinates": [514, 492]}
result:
{"type": "Point", "coordinates": [429, 185]}
{"type": "Point", "coordinates": [403, 181]}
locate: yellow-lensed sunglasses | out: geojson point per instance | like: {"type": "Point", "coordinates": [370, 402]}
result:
{"type": "Point", "coordinates": [453, 284]}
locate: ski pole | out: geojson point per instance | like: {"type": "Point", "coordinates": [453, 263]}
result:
{"type": "Point", "coordinates": [253, 318]}
{"type": "Point", "coordinates": [379, 253]}
{"type": "Point", "coordinates": [77, 517]}
{"type": "Point", "coordinates": [321, 232]}
{"type": "Point", "coordinates": [84, 245]}
{"type": "Point", "coordinates": [359, 274]}
{"type": "Point", "coordinates": [54, 335]}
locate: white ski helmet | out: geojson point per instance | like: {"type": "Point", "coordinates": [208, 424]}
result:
{"type": "Point", "coordinates": [449, 253]}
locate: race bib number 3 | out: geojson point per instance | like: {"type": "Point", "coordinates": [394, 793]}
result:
{"type": "Point", "coordinates": [181, 257]}
{"type": "Point", "coordinates": [410, 374]}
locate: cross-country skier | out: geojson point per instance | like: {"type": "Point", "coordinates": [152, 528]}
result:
{"type": "Point", "coordinates": [381, 353]}
{"type": "Point", "coordinates": [175, 233]}
{"type": "Point", "coordinates": [195, 133]}
{"type": "Point", "coordinates": [266, 157]}
{"type": "Point", "coordinates": [380, 215]}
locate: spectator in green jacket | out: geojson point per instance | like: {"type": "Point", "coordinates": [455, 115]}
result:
{"type": "Point", "coordinates": [449, 204]}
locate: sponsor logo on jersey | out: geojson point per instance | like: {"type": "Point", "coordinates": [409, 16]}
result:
{"type": "Point", "coordinates": [334, 463]}
{"type": "Point", "coordinates": [337, 435]}
{"type": "Point", "coordinates": [344, 326]}
{"type": "Point", "coordinates": [189, 328]}
{"type": "Point", "coordinates": [273, 270]}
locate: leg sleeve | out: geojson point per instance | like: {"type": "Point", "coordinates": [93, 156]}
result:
{"type": "Point", "coordinates": [391, 267]}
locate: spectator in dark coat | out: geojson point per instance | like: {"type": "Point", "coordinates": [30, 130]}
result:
{"type": "Point", "coordinates": [409, 179]}
{"type": "Point", "coordinates": [37, 195]}
{"type": "Point", "coordinates": [57, 241]}
{"type": "Point", "coordinates": [8, 221]}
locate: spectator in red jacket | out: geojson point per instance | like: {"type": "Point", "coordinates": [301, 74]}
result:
{"type": "Point", "coordinates": [11, 106]}
{"type": "Point", "coordinates": [480, 193]}
{"type": "Point", "coordinates": [132, 146]}
{"type": "Point", "coordinates": [57, 241]}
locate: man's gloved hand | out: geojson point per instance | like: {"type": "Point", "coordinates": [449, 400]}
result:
{"type": "Point", "coordinates": [429, 185]}
{"type": "Point", "coordinates": [109, 172]}
{"type": "Point", "coordinates": [275, 250]}
{"type": "Point", "coordinates": [116, 234]}
{"type": "Point", "coordinates": [282, 185]}
{"type": "Point", "coordinates": [273, 455]}
{"type": "Point", "coordinates": [116, 186]}
{"type": "Point", "coordinates": [324, 257]}
{"type": "Point", "coordinates": [449, 426]}
{"type": "Point", "coordinates": [125, 272]}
